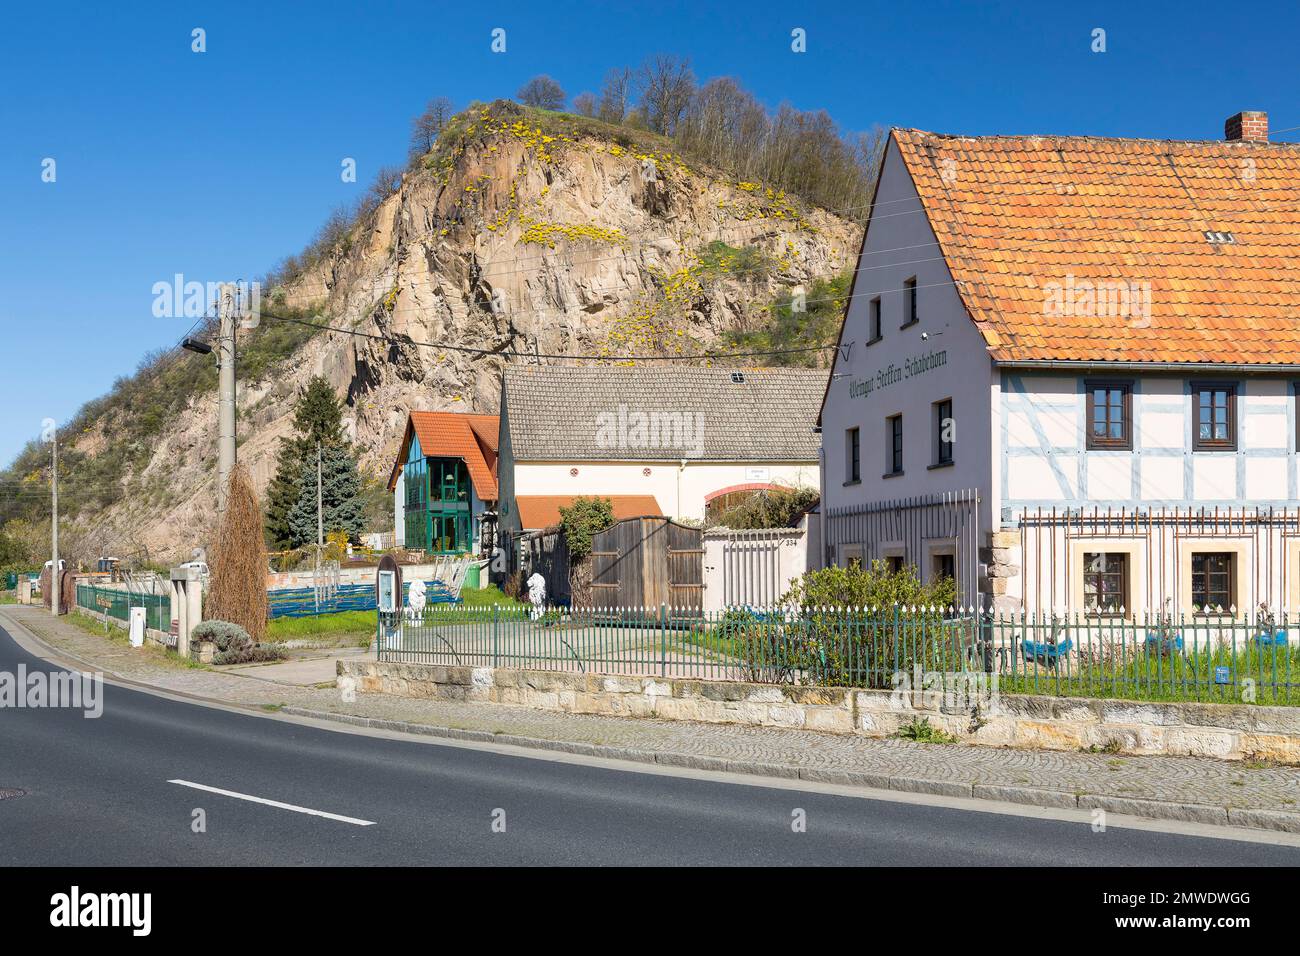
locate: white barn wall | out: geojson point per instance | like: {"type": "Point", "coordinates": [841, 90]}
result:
{"type": "Point", "coordinates": [680, 491]}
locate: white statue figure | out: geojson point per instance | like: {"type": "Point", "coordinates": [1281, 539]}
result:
{"type": "Point", "coordinates": [537, 593]}
{"type": "Point", "coordinates": [416, 599]}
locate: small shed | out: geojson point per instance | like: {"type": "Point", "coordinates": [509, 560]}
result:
{"type": "Point", "coordinates": [647, 562]}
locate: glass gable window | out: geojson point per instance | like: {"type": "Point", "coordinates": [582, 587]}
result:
{"type": "Point", "coordinates": [416, 477]}
{"type": "Point", "coordinates": [438, 496]}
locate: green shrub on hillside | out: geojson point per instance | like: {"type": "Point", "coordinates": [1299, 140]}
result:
{"type": "Point", "coordinates": [786, 327]}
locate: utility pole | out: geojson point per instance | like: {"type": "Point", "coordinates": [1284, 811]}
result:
{"type": "Point", "coordinates": [320, 529]}
{"type": "Point", "coordinates": [226, 309]}
{"type": "Point", "coordinates": [320, 506]}
{"type": "Point", "coordinates": [56, 591]}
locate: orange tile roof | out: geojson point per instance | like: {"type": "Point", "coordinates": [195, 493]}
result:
{"type": "Point", "coordinates": [543, 511]}
{"type": "Point", "coordinates": [1026, 223]}
{"type": "Point", "coordinates": [455, 435]}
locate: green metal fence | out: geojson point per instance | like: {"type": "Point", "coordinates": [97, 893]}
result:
{"type": "Point", "coordinates": [1215, 657]}
{"type": "Point", "coordinates": [114, 603]}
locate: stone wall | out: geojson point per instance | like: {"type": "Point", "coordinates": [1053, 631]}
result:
{"type": "Point", "coordinates": [1226, 731]}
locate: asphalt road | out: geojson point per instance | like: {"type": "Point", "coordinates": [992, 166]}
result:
{"type": "Point", "coordinates": [98, 793]}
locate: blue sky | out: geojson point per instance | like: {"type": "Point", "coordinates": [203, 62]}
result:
{"type": "Point", "coordinates": [217, 165]}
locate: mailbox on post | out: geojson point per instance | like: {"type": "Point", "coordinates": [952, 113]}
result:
{"type": "Point", "coordinates": [388, 600]}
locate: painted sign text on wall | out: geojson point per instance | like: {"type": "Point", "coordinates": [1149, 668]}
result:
{"type": "Point", "coordinates": [891, 373]}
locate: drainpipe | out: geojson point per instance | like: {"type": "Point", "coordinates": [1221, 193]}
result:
{"type": "Point", "coordinates": [680, 468]}
{"type": "Point", "coordinates": [821, 506]}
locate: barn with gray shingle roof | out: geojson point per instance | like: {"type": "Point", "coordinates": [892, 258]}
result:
{"type": "Point", "coordinates": [557, 412]}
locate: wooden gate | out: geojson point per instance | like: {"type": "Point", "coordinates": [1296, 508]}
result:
{"type": "Point", "coordinates": [646, 562]}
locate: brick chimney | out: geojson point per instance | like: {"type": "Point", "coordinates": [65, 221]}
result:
{"type": "Point", "coordinates": [1248, 127]}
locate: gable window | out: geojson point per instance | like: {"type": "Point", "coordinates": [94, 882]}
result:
{"type": "Point", "coordinates": [1212, 580]}
{"type": "Point", "coordinates": [910, 313]}
{"type": "Point", "coordinates": [943, 432]}
{"type": "Point", "coordinates": [1214, 406]}
{"type": "Point", "coordinates": [853, 455]}
{"type": "Point", "coordinates": [894, 450]}
{"type": "Point", "coordinates": [1110, 415]}
{"type": "Point", "coordinates": [1105, 582]}
{"type": "Point", "coordinates": [873, 321]}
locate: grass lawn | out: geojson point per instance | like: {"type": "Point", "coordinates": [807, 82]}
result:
{"type": "Point", "coordinates": [485, 597]}
{"type": "Point", "coordinates": [342, 627]}
{"type": "Point", "coordinates": [358, 627]}
{"type": "Point", "coordinates": [119, 635]}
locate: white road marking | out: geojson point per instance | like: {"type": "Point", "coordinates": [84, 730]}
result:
{"type": "Point", "coordinates": [275, 803]}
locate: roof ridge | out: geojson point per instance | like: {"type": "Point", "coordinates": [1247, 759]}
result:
{"type": "Point", "coordinates": [1094, 138]}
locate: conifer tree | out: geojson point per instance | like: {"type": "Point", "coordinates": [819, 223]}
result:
{"type": "Point", "coordinates": [340, 497]}
{"type": "Point", "coordinates": [317, 417]}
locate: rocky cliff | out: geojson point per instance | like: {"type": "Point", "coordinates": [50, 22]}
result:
{"type": "Point", "coordinates": [522, 234]}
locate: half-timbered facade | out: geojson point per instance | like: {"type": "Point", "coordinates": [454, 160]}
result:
{"type": "Point", "coordinates": [1071, 363]}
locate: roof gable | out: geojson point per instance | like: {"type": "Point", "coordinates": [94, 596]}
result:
{"type": "Point", "coordinates": [1096, 250]}
{"type": "Point", "coordinates": [454, 435]}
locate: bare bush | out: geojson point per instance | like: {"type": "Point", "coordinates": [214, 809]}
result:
{"type": "Point", "coordinates": [238, 591]}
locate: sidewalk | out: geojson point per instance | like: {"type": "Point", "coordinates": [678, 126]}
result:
{"type": "Point", "coordinates": [1174, 788]}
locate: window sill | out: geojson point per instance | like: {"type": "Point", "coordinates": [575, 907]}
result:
{"type": "Point", "coordinates": [892, 474]}
{"type": "Point", "coordinates": [939, 464]}
{"type": "Point", "coordinates": [855, 481]}
{"type": "Point", "coordinates": [1214, 449]}
{"type": "Point", "coordinates": [874, 340]}
{"type": "Point", "coordinates": [908, 325]}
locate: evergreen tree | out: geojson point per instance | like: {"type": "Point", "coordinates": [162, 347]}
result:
{"type": "Point", "coordinates": [340, 497]}
{"type": "Point", "coordinates": [317, 417]}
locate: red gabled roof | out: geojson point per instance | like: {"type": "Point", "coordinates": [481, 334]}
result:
{"type": "Point", "coordinates": [472, 438]}
{"type": "Point", "coordinates": [1206, 235]}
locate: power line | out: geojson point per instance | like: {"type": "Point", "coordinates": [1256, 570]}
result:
{"type": "Point", "coordinates": [501, 352]}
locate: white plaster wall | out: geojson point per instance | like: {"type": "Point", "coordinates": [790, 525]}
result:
{"type": "Point", "coordinates": [1047, 463]}
{"type": "Point", "coordinates": [680, 491]}
{"type": "Point", "coordinates": [761, 581]}
{"type": "Point", "coordinates": [1166, 472]}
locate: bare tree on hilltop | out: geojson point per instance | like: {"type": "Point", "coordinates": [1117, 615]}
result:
{"type": "Point", "coordinates": [614, 95]}
{"type": "Point", "coordinates": [584, 104]}
{"type": "Point", "coordinates": [667, 84]}
{"type": "Point", "coordinates": [426, 127]}
{"type": "Point", "coordinates": [543, 93]}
